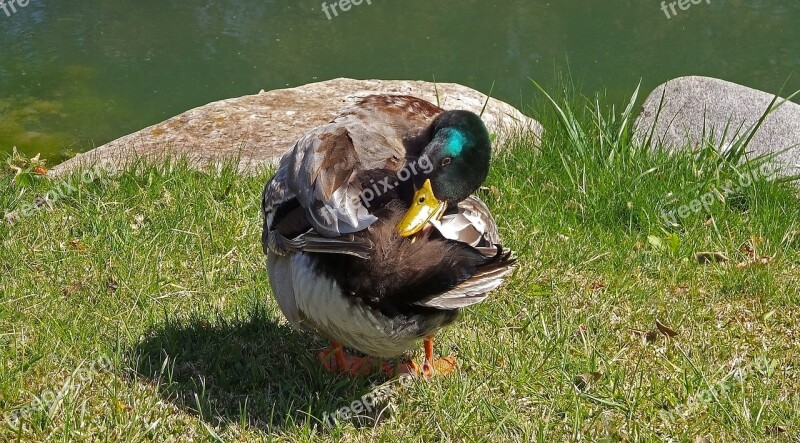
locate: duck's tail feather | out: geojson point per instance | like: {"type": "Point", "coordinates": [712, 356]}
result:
{"type": "Point", "coordinates": [476, 288]}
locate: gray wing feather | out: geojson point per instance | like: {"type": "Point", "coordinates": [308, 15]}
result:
{"type": "Point", "coordinates": [310, 241]}
{"type": "Point", "coordinates": [320, 171]}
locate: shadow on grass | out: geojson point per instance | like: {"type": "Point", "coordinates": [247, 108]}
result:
{"type": "Point", "coordinates": [248, 371]}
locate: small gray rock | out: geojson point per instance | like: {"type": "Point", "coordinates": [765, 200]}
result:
{"type": "Point", "coordinates": [259, 128]}
{"type": "Point", "coordinates": [692, 105]}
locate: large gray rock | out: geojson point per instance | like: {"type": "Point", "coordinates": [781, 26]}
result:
{"type": "Point", "coordinates": [259, 128]}
{"type": "Point", "coordinates": [692, 105]}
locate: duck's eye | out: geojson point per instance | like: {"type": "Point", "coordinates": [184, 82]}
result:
{"type": "Point", "coordinates": [446, 161]}
{"type": "Point", "coordinates": [421, 200]}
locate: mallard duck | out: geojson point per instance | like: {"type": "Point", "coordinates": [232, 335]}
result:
{"type": "Point", "coordinates": [372, 236]}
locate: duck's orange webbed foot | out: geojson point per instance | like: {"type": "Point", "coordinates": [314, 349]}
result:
{"type": "Point", "coordinates": [335, 360]}
{"type": "Point", "coordinates": [430, 367]}
{"type": "Point", "coordinates": [443, 366]}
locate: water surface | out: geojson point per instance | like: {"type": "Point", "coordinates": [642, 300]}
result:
{"type": "Point", "coordinates": [74, 75]}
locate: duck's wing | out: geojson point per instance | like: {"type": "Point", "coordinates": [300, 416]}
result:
{"type": "Point", "coordinates": [477, 287]}
{"type": "Point", "coordinates": [317, 176]}
{"type": "Point", "coordinates": [312, 203]}
{"type": "Point", "coordinates": [319, 181]}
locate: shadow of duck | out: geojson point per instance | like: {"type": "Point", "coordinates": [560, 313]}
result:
{"type": "Point", "coordinates": [248, 371]}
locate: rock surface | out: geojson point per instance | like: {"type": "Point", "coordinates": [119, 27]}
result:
{"type": "Point", "coordinates": [259, 128]}
{"type": "Point", "coordinates": [692, 105]}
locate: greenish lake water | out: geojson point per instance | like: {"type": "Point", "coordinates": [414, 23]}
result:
{"type": "Point", "coordinates": [74, 75]}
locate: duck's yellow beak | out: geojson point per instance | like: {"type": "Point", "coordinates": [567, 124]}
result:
{"type": "Point", "coordinates": [424, 207]}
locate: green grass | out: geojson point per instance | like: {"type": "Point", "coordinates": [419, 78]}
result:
{"type": "Point", "coordinates": [160, 269]}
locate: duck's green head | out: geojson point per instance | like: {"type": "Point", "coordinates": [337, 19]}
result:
{"type": "Point", "coordinates": [458, 159]}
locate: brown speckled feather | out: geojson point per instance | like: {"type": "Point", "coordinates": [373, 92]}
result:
{"type": "Point", "coordinates": [323, 169]}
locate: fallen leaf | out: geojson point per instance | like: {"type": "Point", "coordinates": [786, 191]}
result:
{"type": "Point", "coordinates": [77, 245]}
{"type": "Point", "coordinates": [711, 257]}
{"type": "Point", "coordinates": [763, 261]}
{"type": "Point", "coordinates": [138, 221]}
{"type": "Point", "coordinates": [597, 284]}
{"type": "Point", "coordinates": [586, 379]}
{"type": "Point", "coordinates": [655, 241]}
{"type": "Point", "coordinates": [39, 202]}
{"type": "Point", "coordinates": [679, 290]}
{"type": "Point", "coordinates": [666, 330]}
{"type": "Point", "coordinates": [777, 429]}
{"type": "Point", "coordinates": [71, 289]}
{"type": "Point", "coordinates": [581, 332]}
{"type": "Point", "coordinates": [747, 249]}
{"type": "Point", "coordinates": [11, 217]}
{"type": "Point", "coordinates": [112, 285]}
